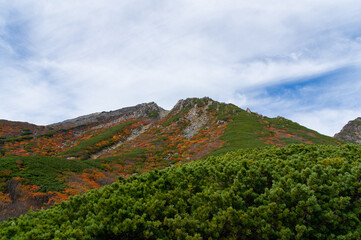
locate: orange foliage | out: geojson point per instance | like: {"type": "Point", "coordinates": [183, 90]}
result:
{"type": "Point", "coordinates": [278, 134]}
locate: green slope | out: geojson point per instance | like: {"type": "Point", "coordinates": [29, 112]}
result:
{"type": "Point", "coordinates": [42, 171]}
{"type": "Point", "coordinates": [246, 129]}
{"type": "Point", "coordinates": [294, 192]}
{"type": "Point", "coordinates": [240, 131]}
{"type": "Point", "coordinates": [90, 146]}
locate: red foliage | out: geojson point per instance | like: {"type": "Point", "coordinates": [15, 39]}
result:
{"type": "Point", "coordinates": [277, 134]}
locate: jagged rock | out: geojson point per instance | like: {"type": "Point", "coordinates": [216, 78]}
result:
{"type": "Point", "coordinates": [195, 110]}
{"type": "Point", "coordinates": [197, 117]}
{"type": "Point", "coordinates": [351, 132]}
{"type": "Point", "coordinates": [183, 103]}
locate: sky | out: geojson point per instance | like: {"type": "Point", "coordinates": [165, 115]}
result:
{"type": "Point", "coordinates": [301, 60]}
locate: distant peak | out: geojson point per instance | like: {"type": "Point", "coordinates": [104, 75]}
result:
{"type": "Point", "coordinates": [351, 132]}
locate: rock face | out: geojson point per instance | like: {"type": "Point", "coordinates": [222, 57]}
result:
{"type": "Point", "coordinates": [197, 117]}
{"type": "Point", "coordinates": [351, 132]}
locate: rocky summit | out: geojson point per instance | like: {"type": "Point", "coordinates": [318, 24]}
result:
{"type": "Point", "coordinates": [351, 132]}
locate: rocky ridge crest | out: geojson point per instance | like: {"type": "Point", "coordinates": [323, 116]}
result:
{"type": "Point", "coordinates": [151, 110]}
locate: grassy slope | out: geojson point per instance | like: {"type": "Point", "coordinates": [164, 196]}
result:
{"type": "Point", "coordinates": [240, 131]}
{"type": "Point", "coordinates": [246, 129]}
{"type": "Point", "coordinates": [43, 171]}
{"type": "Point", "coordinates": [82, 149]}
{"type": "Point", "coordinates": [294, 127]}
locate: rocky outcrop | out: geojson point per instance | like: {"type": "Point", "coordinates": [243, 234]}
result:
{"type": "Point", "coordinates": [191, 102]}
{"type": "Point", "coordinates": [351, 132]}
{"type": "Point", "coordinates": [197, 117]}
{"type": "Point", "coordinates": [194, 112]}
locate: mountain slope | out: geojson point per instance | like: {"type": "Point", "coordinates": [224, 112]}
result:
{"type": "Point", "coordinates": [294, 192]}
{"type": "Point", "coordinates": [61, 137]}
{"type": "Point", "coordinates": [351, 132]}
{"type": "Point", "coordinates": [16, 131]}
{"type": "Point", "coordinates": [128, 142]}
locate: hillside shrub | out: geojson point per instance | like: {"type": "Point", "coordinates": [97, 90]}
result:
{"type": "Point", "coordinates": [294, 192]}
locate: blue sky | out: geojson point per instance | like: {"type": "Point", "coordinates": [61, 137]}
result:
{"type": "Point", "coordinates": [296, 59]}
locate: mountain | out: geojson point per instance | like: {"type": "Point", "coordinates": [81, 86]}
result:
{"type": "Point", "coordinates": [351, 132]}
{"type": "Point", "coordinates": [43, 165]}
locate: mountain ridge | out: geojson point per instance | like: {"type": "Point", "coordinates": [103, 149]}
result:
{"type": "Point", "coordinates": [120, 114]}
{"type": "Point", "coordinates": [139, 110]}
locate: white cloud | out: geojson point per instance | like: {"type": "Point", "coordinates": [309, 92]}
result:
{"type": "Point", "coordinates": [72, 57]}
{"type": "Point", "coordinates": [326, 121]}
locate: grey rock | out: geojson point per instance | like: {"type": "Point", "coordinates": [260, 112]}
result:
{"type": "Point", "coordinates": [351, 132]}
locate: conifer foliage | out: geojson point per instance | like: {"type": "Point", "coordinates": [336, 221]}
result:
{"type": "Point", "coordinates": [293, 192]}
